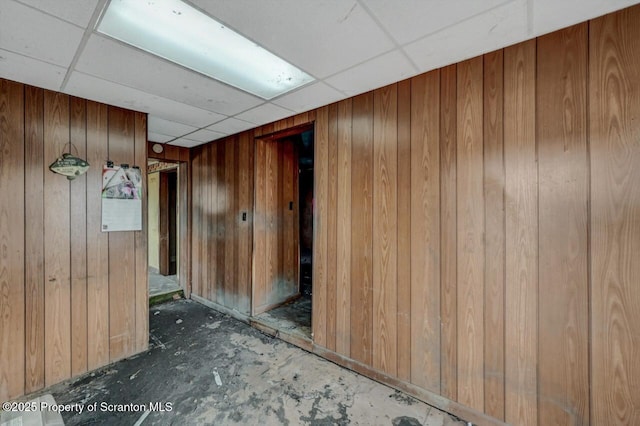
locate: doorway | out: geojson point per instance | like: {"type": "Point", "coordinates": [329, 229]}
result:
{"type": "Point", "coordinates": [283, 231]}
{"type": "Point", "coordinates": [163, 211]}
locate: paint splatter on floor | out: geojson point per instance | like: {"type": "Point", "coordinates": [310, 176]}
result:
{"type": "Point", "coordinates": [264, 381]}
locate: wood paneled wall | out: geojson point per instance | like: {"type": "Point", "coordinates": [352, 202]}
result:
{"type": "Point", "coordinates": [221, 243]}
{"type": "Point", "coordinates": [477, 228]}
{"type": "Point", "coordinates": [71, 297]}
{"type": "Point", "coordinates": [276, 225]}
{"type": "Point", "coordinates": [505, 280]}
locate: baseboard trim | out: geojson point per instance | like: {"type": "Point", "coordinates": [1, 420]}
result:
{"type": "Point", "coordinates": [223, 309]}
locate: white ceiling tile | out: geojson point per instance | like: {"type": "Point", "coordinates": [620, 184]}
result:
{"type": "Point", "coordinates": [115, 94]}
{"type": "Point", "coordinates": [378, 72]}
{"type": "Point", "coordinates": [309, 97]}
{"type": "Point", "coordinates": [231, 126]}
{"type": "Point", "coordinates": [205, 135]}
{"type": "Point", "coordinates": [551, 15]}
{"type": "Point", "coordinates": [265, 114]}
{"type": "Point", "coordinates": [409, 20]}
{"type": "Point", "coordinates": [166, 127]}
{"type": "Point", "coordinates": [30, 71]}
{"type": "Point", "coordinates": [321, 37]}
{"type": "Point", "coordinates": [37, 35]}
{"type": "Point", "coordinates": [78, 12]}
{"type": "Point", "coordinates": [188, 143]}
{"type": "Point", "coordinates": [500, 27]}
{"type": "Point", "coordinates": [128, 66]}
{"type": "Point", "coordinates": [158, 138]}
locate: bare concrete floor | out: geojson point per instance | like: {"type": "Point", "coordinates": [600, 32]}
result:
{"type": "Point", "coordinates": [204, 367]}
{"type": "Point", "coordinates": [294, 317]}
{"type": "Point", "coordinates": [161, 284]}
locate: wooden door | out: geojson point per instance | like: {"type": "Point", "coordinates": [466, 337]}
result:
{"type": "Point", "coordinates": [168, 222]}
{"type": "Point", "coordinates": [276, 225]}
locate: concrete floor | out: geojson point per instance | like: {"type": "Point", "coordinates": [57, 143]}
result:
{"type": "Point", "coordinates": [213, 369]}
{"type": "Point", "coordinates": [294, 317]}
{"type": "Point", "coordinates": [161, 284]}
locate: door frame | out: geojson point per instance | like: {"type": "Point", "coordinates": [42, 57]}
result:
{"type": "Point", "coordinates": [273, 138]}
{"type": "Point", "coordinates": [183, 226]}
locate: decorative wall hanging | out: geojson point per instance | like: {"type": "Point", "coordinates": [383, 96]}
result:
{"type": "Point", "coordinates": [69, 165]}
{"type": "Point", "coordinates": [121, 198]}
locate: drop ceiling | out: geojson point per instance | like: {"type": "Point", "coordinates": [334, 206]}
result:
{"type": "Point", "coordinates": [348, 46]}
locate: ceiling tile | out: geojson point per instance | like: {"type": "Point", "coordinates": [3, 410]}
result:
{"type": "Point", "coordinates": [78, 12]}
{"type": "Point", "coordinates": [31, 33]}
{"type": "Point", "coordinates": [265, 114]}
{"type": "Point", "coordinates": [409, 20]}
{"type": "Point", "coordinates": [111, 93]}
{"type": "Point", "coordinates": [166, 127]}
{"type": "Point", "coordinates": [188, 143]}
{"type": "Point", "coordinates": [309, 97]}
{"type": "Point", "coordinates": [231, 126]}
{"type": "Point", "coordinates": [157, 137]}
{"type": "Point", "coordinates": [378, 72]}
{"type": "Point", "coordinates": [321, 37]}
{"type": "Point", "coordinates": [551, 15]}
{"type": "Point", "coordinates": [30, 71]}
{"type": "Point", "coordinates": [205, 135]}
{"type": "Point", "coordinates": [500, 27]}
{"type": "Point", "coordinates": [131, 67]}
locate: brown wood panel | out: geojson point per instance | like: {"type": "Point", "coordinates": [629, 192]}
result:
{"type": "Point", "coordinates": [12, 240]}
{"type": "Point", "coordinates": [78, 200]}
{"type": "Point", "coordinates": [56, 257]}
{"type": "Point", "coordinates": [494, 236]}
{"type": "Point", "coordinates": [121, 248]}
{"type": "Point", "coordinates": [563, 317]}
{"type": "Point", "coordinates": [385, 229]}
{"type": "Point", "coordinates": [259, 229]}
{"type": "Point", "coordinates": [228, 275]}
{"type": "Point", "coordinates": [470, 234]}
{"type": "Point", "coordinates": [280, 282]}
{"type": "Point", "coordinates": [614, 121]}
{"type": "Point", "coordinates": [425, 231]}
{"type": "Point", "coordinates": [361, 229]}
{"type": "Point", "coordinates": [209, 223]}
{"type": "Point", "coordinates": [404, 231]}
{"type": "Point", "coordinates": [209, 226]}
{"type": "Point", "coordinates": [245, 206]}
{"type": "Point", "coordinates": [34, 239]}
{"type": "Point", "coordinates": [320, 223]}
{"type": "Point", "coordinates": [272, 211]}
{"type": "Point", "coordinates": [140, 239]}
{"type": "Point", "coordinates": [221, 257]}
{"type": "Point", "coordinates": [197, 212]}
{"type": "Point", "coordinates": [343, 249]}
{"type": "Point", "coordinates": [235, 222]}
{"type": "Point", "coordinates": [448, 232]}
{"type": "Point", "coordinates": [290, 218]}
{"type": "Point", "coordinates": [97, 241]}
{"type": "Point", "coordinates": [56, 243]}
{"type": "Point", "coordinates": [332, 227]}
{"type": "Point", "coordinates": [521, 235]}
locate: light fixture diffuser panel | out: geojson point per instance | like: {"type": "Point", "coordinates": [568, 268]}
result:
{"type": "Point", "coordinates": [179, 33]}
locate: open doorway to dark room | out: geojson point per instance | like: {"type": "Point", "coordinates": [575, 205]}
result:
{"type": "Point", "coordinates": [293, 314]}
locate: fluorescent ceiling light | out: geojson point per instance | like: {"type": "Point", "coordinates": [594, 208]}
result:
{"type": "Point", "coordinates": [176, 31]}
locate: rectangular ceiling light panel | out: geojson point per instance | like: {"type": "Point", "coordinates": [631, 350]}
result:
{"type": "Point", "coordinates": [179, 33]}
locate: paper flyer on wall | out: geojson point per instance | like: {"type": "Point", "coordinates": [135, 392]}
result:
{"type": "Point", "coordinates": [121, 199]}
